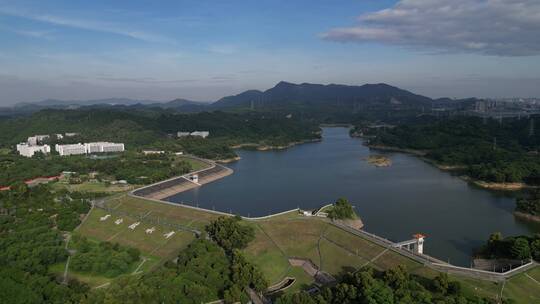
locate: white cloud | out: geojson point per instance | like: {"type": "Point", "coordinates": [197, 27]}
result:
{"type": "Point", "coordinates": [489, 27]}
{"type": "Point", "coordinates": [85, 24]}
{"type": "Point", "coordinates": [30, 33]}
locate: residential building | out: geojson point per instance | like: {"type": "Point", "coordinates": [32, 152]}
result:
{"type": "Point", "coordinates": [37, 139]}
{"type": "Point", "coordinates": [75, 149]}
{"type": "Point", "coordinates": [182, 134]}
{"type": "Point", "coordinates": [71, 134]}
{"type": "Point", "coordinates": [32, 141]}
{"type": "Point", "coordinates": [27, 150]}
{"type": "Point", "coordinates": [103, 147]}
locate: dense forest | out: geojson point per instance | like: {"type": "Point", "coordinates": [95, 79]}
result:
{"type": "Point", "coordinates": [485, 149]}
{"type": "Point", "coordinates": [130, 166]}
{"type": "Point", "coordinates": [32, 222]}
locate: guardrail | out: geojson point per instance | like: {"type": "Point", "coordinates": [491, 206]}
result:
{"type": "Point", "coordinates": [437, 264]}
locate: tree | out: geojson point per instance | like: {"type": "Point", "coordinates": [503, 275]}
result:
{"type": "Point", "coordinates": [397, 278]}
{"type": "Point", "coordinates": [520, 249]}
{"type": "Point", "coordinates": [341, 210]}
{"type": "Point", "coordinates": [535, 249]}
{"type": "Point", "coordinates": [229, 233]}
{"type": "Point", "coordinates": [441, 282]}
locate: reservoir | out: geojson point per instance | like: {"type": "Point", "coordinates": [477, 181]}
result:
{"type": "Point", "coordinates": [394, 202]}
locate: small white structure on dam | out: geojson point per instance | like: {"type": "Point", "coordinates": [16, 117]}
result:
{"type": "Point", "coordinates": [194, 178]}
{"type": "Point", "coordinates": [416, 244]}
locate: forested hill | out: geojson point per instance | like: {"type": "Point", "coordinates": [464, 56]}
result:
{"type": "Point", "coordinates": [489, 150]}
{"type": "Point", "coordinates": [286, 94]}
{"type": "Point", "coordinates": [140, 128]}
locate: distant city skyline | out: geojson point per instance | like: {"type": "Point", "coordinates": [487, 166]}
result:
{"type": "Point", "coordinates": [204, 50]}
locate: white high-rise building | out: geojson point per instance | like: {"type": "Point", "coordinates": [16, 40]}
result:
{"type": "Point", "coordinates": [27, 150]}
{"type": "Point", "coordinates": [75, 149]}
{"type": "Point", "coordinates": [103, 147]}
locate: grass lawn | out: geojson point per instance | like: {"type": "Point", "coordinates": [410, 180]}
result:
{"type": "Point", "coordinates": [270, 259]}
{"type": "Point", "coordinates": [338, 261]}
{"type": "Point", "coordinates": [195, 164]}
{"type": "Point", "coordinates": [174, 214]}
{"type": "Point", "coordinates": [154, 244]}
{"type": "Point", "coordinates": [523, 288]}
{"type": "Point", "coordinates": [4, 151]}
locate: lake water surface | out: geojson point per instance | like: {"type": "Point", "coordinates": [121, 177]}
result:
{"type": "Point", "coordinates": [395, 202]}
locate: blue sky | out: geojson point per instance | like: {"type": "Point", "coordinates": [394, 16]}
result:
{"type": "Point", "coordinates": [203, 50]}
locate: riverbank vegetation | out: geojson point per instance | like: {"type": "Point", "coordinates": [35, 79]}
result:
{"type": "Point", "coordinates": [512, 247]}
{"type": "Point", "coordinates": [489, 150]}
{"type": "Point", "coordinates": [529, 205]}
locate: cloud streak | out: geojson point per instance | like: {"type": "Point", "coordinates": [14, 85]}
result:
{"type": "Point", "coordinates": [84, 24]}
{"type": "Point", "coordinates": [487, 27]}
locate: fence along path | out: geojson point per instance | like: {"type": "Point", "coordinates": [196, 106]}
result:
{"type": "Point", "coordinates": [437, 264]}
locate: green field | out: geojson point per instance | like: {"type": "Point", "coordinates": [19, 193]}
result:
{"type": "Point", "coordinates": [524, 287]}
{"type": "Point", "coordinates": [276, 239]}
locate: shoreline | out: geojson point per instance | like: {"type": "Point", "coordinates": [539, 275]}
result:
{"type": "Point", "coordinates": [262, 147]}
{"type": "Point", "coordinates": [526, 216]}
{"type": "Point", "coordinates": [477, 182]}
{"type": "Point", "coordinates": [228, 160]}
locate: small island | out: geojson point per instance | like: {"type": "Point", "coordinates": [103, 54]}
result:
{"type": "Point", "coordinates": [379, 160]}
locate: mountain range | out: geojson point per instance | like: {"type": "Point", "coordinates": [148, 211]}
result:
{"type": "Point", "coordinates": [282, 95]}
